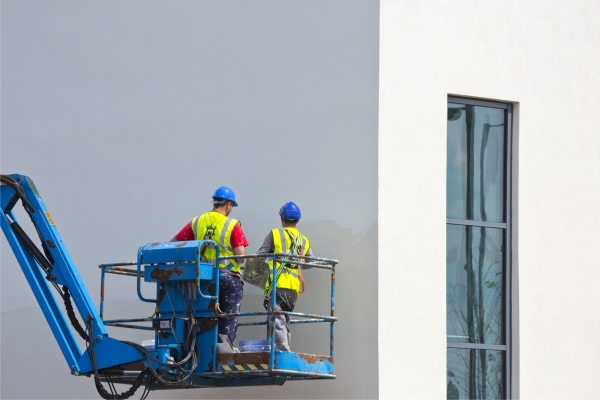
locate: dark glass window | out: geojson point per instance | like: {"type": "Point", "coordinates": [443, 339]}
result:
{"type": "Point", "coordinates": [475, 163]}
{"type": "Point", "coordinates": [475, 374]}
{"type": "Point", "coordinates": [474, 285]}
{"type": "Point", "coordinates": [478, 249]}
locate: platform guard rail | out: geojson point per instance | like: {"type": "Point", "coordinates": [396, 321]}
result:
{"type": "Point", "coordinates": [301, 318]}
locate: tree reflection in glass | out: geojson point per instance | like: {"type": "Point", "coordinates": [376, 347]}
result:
{"type": "Point", "coordinates": [474, 258]}
{"type": "Point", "coordinates": [474, 288]}
{"type": "Point", "coordinates": [474, 293]}
{"type": "Point", "coordinates": [474, 254]}
{"type": "Point", "coordinates": [466, 377]}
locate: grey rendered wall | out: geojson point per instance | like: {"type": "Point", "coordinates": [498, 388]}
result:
{"type": "Point", "coordinates": [545, 58]}
{"type": "Point", "coordinates": [127, 115]}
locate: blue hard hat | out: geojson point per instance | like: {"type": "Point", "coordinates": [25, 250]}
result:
{"type": "Point", "coordinates": [225, 193]}
{"type": "Point", "coordinates": [290, 211]}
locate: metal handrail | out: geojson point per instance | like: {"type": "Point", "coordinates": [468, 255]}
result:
{"type": "Point", "coordinates": [313, 262]}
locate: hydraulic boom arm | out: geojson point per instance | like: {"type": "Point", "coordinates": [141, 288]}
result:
{"type": "Point", "coordinates": [54, 267]}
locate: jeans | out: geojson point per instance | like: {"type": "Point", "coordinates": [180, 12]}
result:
{"type": "Point", "coordinates": [231, 291]}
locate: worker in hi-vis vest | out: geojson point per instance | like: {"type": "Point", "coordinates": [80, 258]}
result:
{"type": "Point", "coordinates": [290, 282]}
{"type": "Point", "coordinates": [227, 232]}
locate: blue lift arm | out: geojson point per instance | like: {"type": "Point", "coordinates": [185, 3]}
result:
{"type": "Point", "coordinates": [55, 267]}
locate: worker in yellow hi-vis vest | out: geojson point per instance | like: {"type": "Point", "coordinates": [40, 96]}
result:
{"type": "Point", "coordinates": [216, 225]}
{"type": "Point", "coordinates": [290, 283]}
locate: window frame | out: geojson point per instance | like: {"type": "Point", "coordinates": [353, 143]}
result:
{"type": "Point", "coordinates": [507, 228]}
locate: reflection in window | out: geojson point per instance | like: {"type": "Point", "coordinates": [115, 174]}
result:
{"type": "Point", "coordinates": [474, 284]}
{"type": "Point", "coordinates": [474, 374]}
{"type": "Point", "coordinates": [475, 163]}
{"type": "Point", "coordinates": [478, 249]}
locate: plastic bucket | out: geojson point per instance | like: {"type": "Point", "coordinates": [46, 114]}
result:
{"type": "Point", "coordinates": [251, 346]}
{"type": "Point", "coordinates": [244, 343]}
{"type": "Point", "coordinates": [254, 349]}
{"type": "Point", "coordinates": [149, 344]}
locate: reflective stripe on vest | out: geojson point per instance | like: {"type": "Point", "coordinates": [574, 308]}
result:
{"type": "Point", "coordinates": [282, 244]}
{"type": "Point", "coordinates": [289, 278]}
{"type": "Point", "coordinates": [224, 231]}
{"type": "Point", "coordinates": [288, 271]}
{"type": "Point", "coordinates": [217, 227]}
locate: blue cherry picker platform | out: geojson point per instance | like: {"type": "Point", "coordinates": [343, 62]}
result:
{"type": "Point", "coordinates": [186, 352]}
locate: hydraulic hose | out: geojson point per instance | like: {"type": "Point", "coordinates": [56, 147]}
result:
{"type": "Point", "coordinates": [101, 390]}
{"type": "Point", "coordinates": [19, 192]}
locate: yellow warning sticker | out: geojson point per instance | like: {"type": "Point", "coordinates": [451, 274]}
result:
{"type": "Point", "coordinates": [245, 367]}
{"type": "Point", "coordinates": [49, 218]}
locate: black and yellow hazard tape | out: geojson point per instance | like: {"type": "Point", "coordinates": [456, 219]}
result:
{"type": "Point", "coordinates": [245, 367]}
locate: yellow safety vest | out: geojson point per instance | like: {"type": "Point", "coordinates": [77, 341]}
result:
{"type": "Point", "coordinates": [217, 227]}
{"type": "Point", "coordinates": [289, 278]}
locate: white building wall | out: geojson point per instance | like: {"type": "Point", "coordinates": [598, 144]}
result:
{"type": "Point", "coordinates": [545, 58]}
